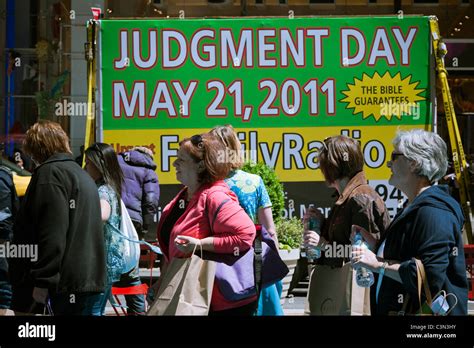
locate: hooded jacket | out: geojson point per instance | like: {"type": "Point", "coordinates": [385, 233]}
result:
{"type": "Point", "coordinates": [140, 190]}
{"type": "Point", "coordinates": [429, 229]}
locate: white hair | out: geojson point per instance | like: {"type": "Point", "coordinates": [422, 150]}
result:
{"type": "Point", "coordinates": [428, 150]}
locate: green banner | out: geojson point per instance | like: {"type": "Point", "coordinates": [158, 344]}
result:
{"type": "Point", "coordinates": [265, 72]}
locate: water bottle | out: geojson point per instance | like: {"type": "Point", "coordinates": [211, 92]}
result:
{"type": "Point", "coordinates": [313, 252]}
{"type": "Point", "coordinates": [364, 277]}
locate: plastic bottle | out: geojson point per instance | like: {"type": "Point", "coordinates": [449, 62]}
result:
{"type": "Point", "coordinates": [364, 277]}
{"type": "Point", "coordinates": [313, 252]}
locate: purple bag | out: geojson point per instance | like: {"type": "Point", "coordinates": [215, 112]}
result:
{"type": "Point", "coordinates": [235, 274]}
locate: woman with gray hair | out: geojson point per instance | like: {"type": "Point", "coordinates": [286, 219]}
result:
{"type": "Point", "coordinates": [429, 228]}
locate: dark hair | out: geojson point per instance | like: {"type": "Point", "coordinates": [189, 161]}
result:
{"type": "Point", "coordinates": [44, 139]}
{"type": "Point", "coordinates": [206, 148]}
{"type": "Point", "coordinates": [340, 157]}
{"type": "Point", "coordinates": [105, 160]}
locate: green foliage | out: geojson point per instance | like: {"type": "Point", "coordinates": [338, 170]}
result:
{"type": "Point", "coordinates": [272, 183]}
{"type": "Point", "coordinates": [290, 233]}
{"type": "Point", "coordinates": [46, 100]}
{"type": "Point", "coordinates": [46, 104]}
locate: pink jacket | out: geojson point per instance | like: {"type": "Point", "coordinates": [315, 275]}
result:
{"type": "Point", "coordinates": [232, 229]}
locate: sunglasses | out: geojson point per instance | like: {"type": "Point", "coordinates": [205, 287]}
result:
{"type": "Point", "coordinates": [395, 155]}
{"type": "Point", "coordinates": [197, 141]}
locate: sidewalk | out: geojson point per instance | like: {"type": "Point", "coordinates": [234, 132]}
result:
{"type": "Point", "coordinates": [293, 306]}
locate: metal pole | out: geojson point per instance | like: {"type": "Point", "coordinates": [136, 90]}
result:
{"type": "Point", "coordinates": [397, 5]}
{"type": "Point", "coordinates": [243, 8]}
{"type": "Point", "coordinates": [10, 81]}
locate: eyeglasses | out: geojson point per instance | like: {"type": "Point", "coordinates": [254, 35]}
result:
{"type": "Point", "coordinates": [395, 155]}
{"type": "Point", "coordinates": [196, 140]}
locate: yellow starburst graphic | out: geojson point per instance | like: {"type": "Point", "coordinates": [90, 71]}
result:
{"type": "Point", "coordinates": [384, 96]}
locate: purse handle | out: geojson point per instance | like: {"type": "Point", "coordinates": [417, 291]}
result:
{"type": "Point", "coordinates": [422, 279]}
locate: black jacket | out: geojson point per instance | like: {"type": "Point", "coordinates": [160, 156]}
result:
{"type": "Point", "coordinates": [8, 203]}
{"type": "Point", "coordinates": [8, 208]}
{"type": "Point", "coordinates": [429, 229]}
{"type": "Point", "coordinates": [61, 213]}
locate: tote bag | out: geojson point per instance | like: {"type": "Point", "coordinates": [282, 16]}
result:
{"type": "Point", "coordinates": [186, 287]}
{"type": "Point", "coordinates": [131, 253]}
{"type": "Point", "coordinates": [334, 291]}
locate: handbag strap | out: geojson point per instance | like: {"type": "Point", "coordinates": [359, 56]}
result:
{"type": "Point", "coordinates": [257, 246]}
{"type": "Point", "coordinates": [258, 260]}
{"type": "Point", "coordinates": [423, 280]}
{"type": "Point", "coordinates": [156, 249]}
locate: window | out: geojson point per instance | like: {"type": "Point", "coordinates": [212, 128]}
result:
{"type": "Point", "coordinates": [321, 1]}
{"type": "Point", "coordinates": [425, 1]}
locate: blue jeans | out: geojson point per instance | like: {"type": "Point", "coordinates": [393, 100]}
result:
{"type": "Point", "coordinates": [99, 307]}
{"type": "Point", "coordinates": [5, 287]}
{"type": "Point", "coordinates": [85, 303]}
{"type": "Point", "coordinates": [135, 303]}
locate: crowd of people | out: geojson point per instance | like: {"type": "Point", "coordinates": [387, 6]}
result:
{"type": "Point", "coordinates": [72, 215]}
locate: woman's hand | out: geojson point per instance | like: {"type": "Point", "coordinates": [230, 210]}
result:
{"type": "Point", "coordinates": [186, 244]}
{"type": "Point", "coordinates": [363, 257]}
{"type": "Point", "coordinates": [311, 238]}
{"type": "Point", "coordinates": [40, 295]}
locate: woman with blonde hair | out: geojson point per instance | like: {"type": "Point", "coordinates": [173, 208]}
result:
{"type": "Point", "coordinates": [253, 197]}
